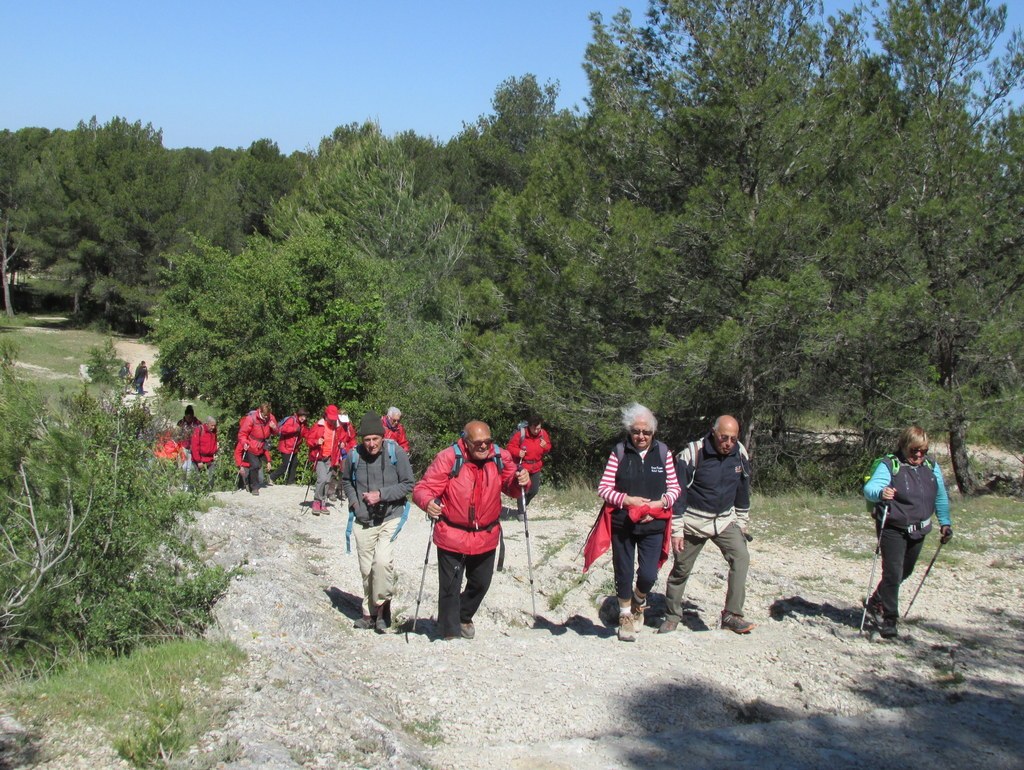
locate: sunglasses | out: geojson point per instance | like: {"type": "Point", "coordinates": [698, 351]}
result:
{"type": "Point", "coordinates": [639, 432]}
{"type": "Point", "coordinates": [918, 451]}
{"type": "Point", "coordinates": [484, 443]}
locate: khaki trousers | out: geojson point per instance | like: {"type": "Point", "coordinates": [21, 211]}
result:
{"type": "Point", "coordinates": [376, 555]}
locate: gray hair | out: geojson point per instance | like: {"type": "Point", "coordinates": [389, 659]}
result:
{"type": "Point", "coordinates": [633, 412]}
{"type": "Point", "coordinates": [394, 412]}
{"type": "Point", "coordinates": [210, 420]}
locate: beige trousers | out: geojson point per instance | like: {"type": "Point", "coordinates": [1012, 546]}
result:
{"type": "Point", "coordinates": [376, 555]}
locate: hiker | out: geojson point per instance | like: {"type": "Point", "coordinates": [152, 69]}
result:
{"type": "Point", "coordinates": [906, 488]}
{"type": "Point", "coordinates": [203, 447]}
{"type": "Point", "coordinates": [325, 453]}
{"type": "Point", "coordinates": [377, 479]}
{"type": "Point", "coordinates": [347, 431]}
{"type": "Point", "coordinates": [255, 431]}
{"type": "Point", "coordinates": [393, 428]}
{"type": "Point", "coordinates": [461, 492]}
{"type": "Point", "coordinates": [639, 485]}
{"type": "Point", "coordinates": [124, 376]}
{"type": "Point", "coordinates": [714, 505]}
{"type": "Point", "coordinates": [290, 430]}
{"type": "Point", "coordinates": [185, 426]}
{"type": "Point", "coordinates": [528, 445]}
{"type": "Point", "coordinates": [139, 380]}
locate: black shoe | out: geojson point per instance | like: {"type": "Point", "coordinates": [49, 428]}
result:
{"type": "Point", "coordinates": [888, 628]}
{"type": "Point", "coordinates": [875, 611]}
{"type": "Point", "coordinates": [366, 622]}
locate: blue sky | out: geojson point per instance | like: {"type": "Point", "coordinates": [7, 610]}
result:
{"type": "Point", "coordinates": [227, 73]}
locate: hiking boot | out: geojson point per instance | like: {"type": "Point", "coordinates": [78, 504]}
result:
{"type": "Point", "coordinates": [668, 626]}
{"type": "Point", "coordinates": [365, 623]}
{"type": "Point", "coordinates": [468, 630]}
{"type": "Point", "coordinates": [382, 624]}
{"type": "Point", "coordinates": [255, 491]}
{"type": "Point", "coordinates": [627, 630]}
{"type": "Point", "coordinates": [384, 611]}
{"type": "Point", "coordinates": [735, 623]}
{"type": "Point", "coordinates": [875, 611]}
{"type": "Point", "coordinates": [317, 507]}
{"type": "Point", "coordinates": [638, 610]}
{"type": "Point", "coordinates": [888, 629]}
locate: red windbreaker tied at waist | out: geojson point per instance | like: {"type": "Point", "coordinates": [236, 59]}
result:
{"type": "Point", "coordinates": [471, 501]}
{"type": "Point", "coordinates": [600, 538]}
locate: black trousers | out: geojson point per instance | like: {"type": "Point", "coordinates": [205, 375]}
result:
{"type": "Point", "coordinates": [255, 464]}
{"type": "Point", "coordinates": [646, 549]}
{"type": "Point", "coordinates": [289, 463]}
{"type": "Point", "coordinates": [899, 556]}
{"type": "Point", "coordinates": [455, 605]}
{"type": "Point", "coordinates": [534, 487]}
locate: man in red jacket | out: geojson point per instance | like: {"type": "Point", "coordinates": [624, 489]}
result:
{"type": "Point", "coordinates": [203, 448]}
{"type": "Point", "coordinates": [461, 492]}
{"type": "Point", "coordinates": [528, 445]}
{"type": "Point", "coordinates": [393, 428]}
{"type": "Point", "coordinates": [326, 451]}
{"type": "Point", "coordinates": [291, 430]}
{"type": "Point", "coordinates": [256, 429]}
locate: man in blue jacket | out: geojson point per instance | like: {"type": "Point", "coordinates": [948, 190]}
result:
{"type": "Point", "coordinates": [714, 505]}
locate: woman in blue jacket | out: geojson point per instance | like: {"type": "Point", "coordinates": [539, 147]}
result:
{"type": "Point", "coordinates": [906, 488]}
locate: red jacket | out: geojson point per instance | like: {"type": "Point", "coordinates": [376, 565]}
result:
{"type": "Point", "coordinates": [291, 431]}
{"type": "Point", "coordinates": [396, 433]}
{"type": "Point", "coordinates": [203, 444]}
{"type": "Point", "coordinates": [471, 501]}
{"type": "Point", "coordinates": [332, 448]}
{"type": "Point", "coordinates": [347, 431]}
{"type": "Point", "coordinates": [255, 431]}
{"type": "Point", "coordinates": [534, 459]}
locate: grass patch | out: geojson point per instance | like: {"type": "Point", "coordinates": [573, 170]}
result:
{"type": "Point", "coordinates": [556, 598]}
{"type": "Point", "coordinates": [153, 704]}
{"type": "Point", "coordinates": [573, 495]}
{"type": "Point", "coordinates": [426, 731]}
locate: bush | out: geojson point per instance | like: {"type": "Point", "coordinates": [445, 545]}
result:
{"type": "Point", "coordinates": [96, 559]}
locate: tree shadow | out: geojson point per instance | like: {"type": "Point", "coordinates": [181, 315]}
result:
{"type": "Point", "coordinates": [349, 605]}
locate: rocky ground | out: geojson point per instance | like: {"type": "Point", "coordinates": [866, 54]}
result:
{"type": "Point", "coordinates": [805, 689]}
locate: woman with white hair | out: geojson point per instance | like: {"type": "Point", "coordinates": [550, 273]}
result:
{"type": "Point", "coordinates": [639, 485]}
{"type": "Point", "coordinates": [393, 429]}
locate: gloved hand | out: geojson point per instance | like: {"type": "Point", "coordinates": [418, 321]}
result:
{"type": "Point", "coordinates": [947, 533]}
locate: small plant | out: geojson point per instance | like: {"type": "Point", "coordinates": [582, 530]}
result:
{"type": "Point", "coordinates": [427, 731]}
{"type": "Point", "coordinates": [555, 599]}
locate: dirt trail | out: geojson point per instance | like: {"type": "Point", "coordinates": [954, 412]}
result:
{"type": "Point", "coordinates": [803, 690]}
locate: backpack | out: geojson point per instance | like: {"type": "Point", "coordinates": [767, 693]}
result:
{"type": "Point", "coordinates": [460, 460]}
{"type": "Point", "coordinates": [353, 462]}
{"type": "Point", "coordinates": [690, 457]}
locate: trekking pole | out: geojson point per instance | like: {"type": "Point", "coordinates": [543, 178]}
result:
{"type": "Point", "coordinates": [312, 464]}
{"type": "Point", "coordinates": [529, 558]}
{"type": "Point", "coordinates": [923, 577]}
{"type": "Point", "coordinates": [423, 578]}
{"type": "Point", "coordinates": [874, 562]}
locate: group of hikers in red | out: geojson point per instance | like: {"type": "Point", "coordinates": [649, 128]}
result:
{"type": "Point", "coordinates": [651, 510]}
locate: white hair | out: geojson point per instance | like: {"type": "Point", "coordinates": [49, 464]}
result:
{"type": "Point", "coordinates": [633, 412]}
{"type": "Point", "coordinates": [394, 412]}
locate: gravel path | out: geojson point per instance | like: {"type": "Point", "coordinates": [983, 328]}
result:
{"type": "Point", "coordinates": [803, 690]}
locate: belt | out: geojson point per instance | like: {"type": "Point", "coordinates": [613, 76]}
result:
{"type": "Point", "coordinates": [466, 528]}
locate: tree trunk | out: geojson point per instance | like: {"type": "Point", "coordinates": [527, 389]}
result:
{"type": "Point", "coordinates": [965, 482]}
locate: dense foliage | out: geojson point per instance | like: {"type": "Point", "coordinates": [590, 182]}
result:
{"type": "Point", "coordinates": [95, 554]}
{"type": "Point", "coordinates": [762, 211]}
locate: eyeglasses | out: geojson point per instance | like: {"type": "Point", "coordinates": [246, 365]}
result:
{"type": "Point", "coordinates": [727, 439]}
{"type": "Point", "coordinates": [639, 432]}
{"type": "Point", "coordinates": [919, 450]}
{"type": "Point", "coordinates": [484, 443]}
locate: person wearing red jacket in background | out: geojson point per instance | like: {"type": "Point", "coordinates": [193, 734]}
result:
{"type": "Point", "coordinates": [326, 451]}
{"type": "Point", "coordinates": [291, 430]}
{"type": "Point", "coordinates": [528, 445]}
{"type": "Point", "coordinates": [203, 448]}
{"type": "Point", "coordinates": [393, 428]}
{"type": "Point", "coordinates": [256, 429]}
{"type": "Point", "coordinates": [464, 500]}
{"type": "Point", "coordinates": [347, 431]}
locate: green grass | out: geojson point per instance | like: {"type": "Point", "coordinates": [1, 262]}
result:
{"type": "Point", "coordinates": [576, 494]}
{"type": "Point", "coordinates": [153, 704]}
{"type": "Point", "coordinates": [843, 526]}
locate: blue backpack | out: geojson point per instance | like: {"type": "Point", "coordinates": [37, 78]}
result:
{"type": "Point", "coordinates": [353, 462]}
